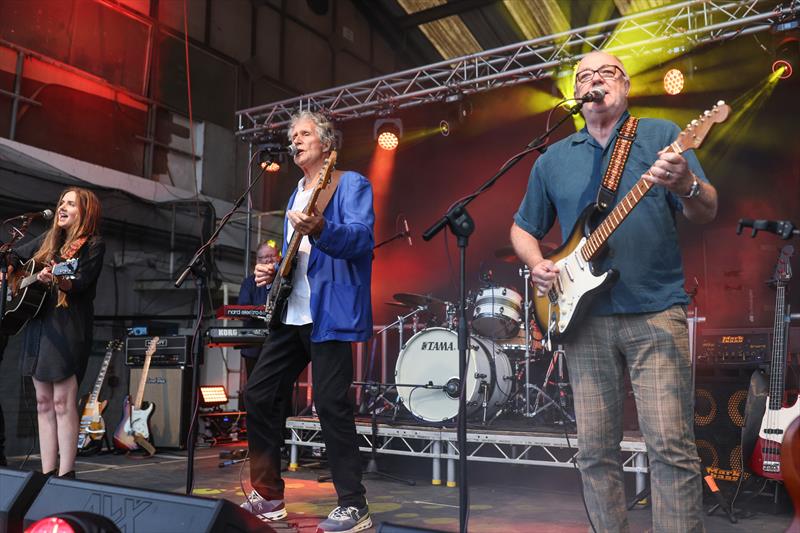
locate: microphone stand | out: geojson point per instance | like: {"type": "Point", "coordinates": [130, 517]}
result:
{"type": "Point", "coordinates": [198, 269]}
{"type": "Point", "coordinates": [462, 225]}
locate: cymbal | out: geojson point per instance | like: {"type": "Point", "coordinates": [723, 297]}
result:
{"type": "Point", "coordinates": [418, 300]}
{"type": "Point", "coordinates": [398, 304]}
{"type": "Point", "coordinates": [507, 255]}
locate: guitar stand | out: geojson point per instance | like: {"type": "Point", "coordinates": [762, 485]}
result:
{"type": "Point", "coordinates": [722, 503]}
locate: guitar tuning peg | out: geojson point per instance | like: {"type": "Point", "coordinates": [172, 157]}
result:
{"type": "Point", "coordinates": [695, 122]}
{"type": "Point", "coordinates": [720, 103]}
{"type": "Point", "coordinates": [707, 113]}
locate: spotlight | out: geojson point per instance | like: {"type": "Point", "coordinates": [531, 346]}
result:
{"type": "Point", "coordinates": [213, 395]}
{"type": "Point", "coordinates": [74, 522]}
{"type": "Point", "coordinates": [388, 132]}
{"type": "Point", "coordinates": [787, 56]}
{"type": "Point", "coordinates": [673, 81]}
{"type": "Point", "coordinates": [444, 128]}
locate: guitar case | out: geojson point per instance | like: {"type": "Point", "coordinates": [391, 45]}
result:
{"type": "Point", "coordinates": [754, 409]}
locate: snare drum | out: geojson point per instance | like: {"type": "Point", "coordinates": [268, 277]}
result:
{"type": "Point", "coordinates": [497, 313]}
{"type": "Point", "coordinates": [431, 356]}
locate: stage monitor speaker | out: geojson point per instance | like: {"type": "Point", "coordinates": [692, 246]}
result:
{"type": "Point", "coordinates": [18, 489]}
{"type": "Point", "coordinates": [141, 511]}
{"type": "Point", "coordinates": [169, 389]}
{"type": "Point", "coordinates": [718, 419]}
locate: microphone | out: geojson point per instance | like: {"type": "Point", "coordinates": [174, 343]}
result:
{"type": "Point", "coordinates": [407, 233]}
{"type": "Point", "coordinates": [595, 95]}
{"type": "Point", "coordinates": [47, 214]}
{"type": "Point", "coordinates": [275, 148]}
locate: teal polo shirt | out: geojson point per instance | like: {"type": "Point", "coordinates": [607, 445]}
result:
{"type": "Point", "coordinates": [644, 248]}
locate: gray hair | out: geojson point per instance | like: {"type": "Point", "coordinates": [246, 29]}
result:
{"type": "Point", "coordinates": [325, 130]}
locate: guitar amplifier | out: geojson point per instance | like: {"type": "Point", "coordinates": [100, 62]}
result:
{"type": "Point", "coordinates": [170, 351]}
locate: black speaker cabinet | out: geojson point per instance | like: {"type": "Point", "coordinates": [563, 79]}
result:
{"type": "Point", "coordinates": [18, 489]}
{"type": "Point", "coordinates": [141, 511]}
{"type": "Point", "coordinates": [169, 389]}
{"type": "Point", "coordinates": [720, 398]}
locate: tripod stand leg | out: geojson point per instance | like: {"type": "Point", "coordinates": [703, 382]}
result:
{"type": "Point", "coordinates": [436, 478]}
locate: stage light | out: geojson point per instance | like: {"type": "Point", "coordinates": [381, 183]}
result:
{"type": "Point", "coordinates": [787, 56]}
{"type": "Point", "coordinates": [388, 132]}
{"type": "Point", "coordinates": [673, 81]}
{"type": "Point", "coordinates": [213, 395]}
{"type": "Point", "coordinates": [444, 128]}
{"type": "Point", "coordinates": [74, 522]}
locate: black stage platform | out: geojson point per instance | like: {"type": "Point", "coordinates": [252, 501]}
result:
{"type": "Point", "coordinates": [504, 497]}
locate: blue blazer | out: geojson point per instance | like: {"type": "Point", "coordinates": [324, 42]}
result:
{"type": "Point", "coordinates": [340, 264]}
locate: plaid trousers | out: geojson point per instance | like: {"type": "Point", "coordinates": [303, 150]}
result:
{"type": "Point", "coordinates": [655, 349]}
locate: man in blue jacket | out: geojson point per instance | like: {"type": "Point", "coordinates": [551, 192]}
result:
{"type": "Point", "coordinates": [328, 309]}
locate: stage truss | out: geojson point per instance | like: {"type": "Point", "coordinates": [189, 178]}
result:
{"type": "Point", "coordinates": [484, 445]}
{"type": "Point", "coordinates": [665, 30]}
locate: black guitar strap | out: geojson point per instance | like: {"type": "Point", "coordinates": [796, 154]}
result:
{"type": "Point", "coordinates": [622, 148]}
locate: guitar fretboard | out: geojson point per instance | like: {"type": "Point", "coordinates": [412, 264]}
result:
{"type": "Point", "coordinates": [778, 363]}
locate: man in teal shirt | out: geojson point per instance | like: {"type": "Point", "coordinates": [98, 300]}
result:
{"type": "Point", "coordinates": [640, 324]}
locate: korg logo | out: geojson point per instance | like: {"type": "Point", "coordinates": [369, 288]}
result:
{"type": "Point", "coordinates": [123, 511]}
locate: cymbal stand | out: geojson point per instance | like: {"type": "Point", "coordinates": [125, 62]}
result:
{"type": "Point", "coordinates": [525, 272]}
{"type": "Point", "coordinates": [556, 365]}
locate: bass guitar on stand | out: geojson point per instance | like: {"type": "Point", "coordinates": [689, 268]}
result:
{"type": "Point", "coordinates": [766, 458]}
{"type": "Point", "coordinates": [557, 311]}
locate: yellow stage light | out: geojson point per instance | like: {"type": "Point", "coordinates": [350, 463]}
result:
{"type": "Point", "coordinates": [673, 81]}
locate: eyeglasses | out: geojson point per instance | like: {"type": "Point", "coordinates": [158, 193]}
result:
{"type": "Point", "coordinates": [608, 72]}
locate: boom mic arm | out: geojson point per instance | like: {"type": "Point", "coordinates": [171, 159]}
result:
{"type": "Point", "coordinates": [783, 228]}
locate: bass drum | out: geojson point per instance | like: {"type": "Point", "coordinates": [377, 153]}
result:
{"type": "Point", "coordinates": [431, 356]}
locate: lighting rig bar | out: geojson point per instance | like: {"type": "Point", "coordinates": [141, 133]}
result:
{"type": "Point", "coordinates": [657, 31]}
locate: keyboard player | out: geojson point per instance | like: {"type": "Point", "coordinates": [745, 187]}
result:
{"type": "Point", "coordinates": [249, 294]}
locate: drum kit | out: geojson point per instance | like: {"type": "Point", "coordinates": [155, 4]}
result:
{"type": "Point", "coordinates": [503, 345]}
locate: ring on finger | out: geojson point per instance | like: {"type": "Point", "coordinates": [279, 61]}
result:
{"type": "Point", "coordinates": [669, 173]}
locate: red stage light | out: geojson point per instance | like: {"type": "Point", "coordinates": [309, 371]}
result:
{"type": "Point", "coordinates": [388, 140]}
{"type": "Point", "coordinates": [387, 131]}
{"type": "Point", "coordinates": [673, 81]}
{"type": "Point", "coordinates": [52, 524]}
{"type": "Point", "coordinates": [782, 63]}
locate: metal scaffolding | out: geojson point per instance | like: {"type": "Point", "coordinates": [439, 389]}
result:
{"type": "Point", "coordinates": [675, 27]}
{"type": "Point", "coordinates": [486, 445]}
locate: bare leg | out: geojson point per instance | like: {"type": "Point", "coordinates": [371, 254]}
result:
{"type": "Point", "coordinates": [48, 434]}
{"type": "Point", "coordinates": [65, 403]}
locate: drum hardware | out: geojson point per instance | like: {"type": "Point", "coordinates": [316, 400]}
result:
{"type": "Point", "coordinates": [497, 312]}
{"type": "Point", "coordinates": [556, 365]}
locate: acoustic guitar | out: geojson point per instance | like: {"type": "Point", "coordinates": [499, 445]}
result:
{"type": "Point", "coordinates": [27, 294]}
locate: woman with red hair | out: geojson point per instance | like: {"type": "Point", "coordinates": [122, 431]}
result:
{"type": "Point", "coordinates": [58, 339]}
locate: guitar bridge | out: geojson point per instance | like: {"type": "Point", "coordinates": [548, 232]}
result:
{"type": "Point", "coordinates": [771, 466]}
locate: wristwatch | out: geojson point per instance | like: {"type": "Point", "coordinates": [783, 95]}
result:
{"type": "Point", "coordinates": [694, 190]}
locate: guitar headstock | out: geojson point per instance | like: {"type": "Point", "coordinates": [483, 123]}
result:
{"type": "Point", "coordinates": [783, 269]}
{"type": "Point", "coordinates": [152, 344]}
{"type": "Point", "coordinates": [695, 133]}
{"type": "Point", "coordinates": [114, 345]}
{"type": "Point", "coordinates": [66, 269]}
{"type": "Point", "coordinates": [324, 176]}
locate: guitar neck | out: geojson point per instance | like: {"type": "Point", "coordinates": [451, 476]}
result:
{"type": "Point", "coordinates": [294, 244]}
{"type": "Point", "coordinates": [137, 404]}
{"type": "Point", "coordinates": [101, 377]}
{"type": "Point", "coordinates": [778, 363]}
{"type": "Point", "coordinates": [598, 238]}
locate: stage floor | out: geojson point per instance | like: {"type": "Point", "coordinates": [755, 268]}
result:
{"type": "Point", "coordinates": [504, 498]}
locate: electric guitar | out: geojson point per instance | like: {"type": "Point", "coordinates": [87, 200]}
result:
{"type": "Point", "coordinates": [282, 285]}
{"type": "Point", "coordinates": [557, 312]}
{"type": "Point", "coordinates": [133, 431]}
{"type": "Point", "coordinates": [26, 294]}
{"type": "Point", "coordinates": [766, 458]}
{"type": "Point", "coordinates": [92, 426]}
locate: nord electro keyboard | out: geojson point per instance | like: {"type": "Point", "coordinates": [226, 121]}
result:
{"type": "Point", "coordinates": [235, 337]}
{"type": "Point", "coordinates": [240, 312]}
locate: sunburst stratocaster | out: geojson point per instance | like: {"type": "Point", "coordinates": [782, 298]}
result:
{"type": "Point", "coordinates": [557, 312]}
{"type": "Point", "coordinates": [133, 431]}
{"type": "Point", "coordinates": [92, 426]}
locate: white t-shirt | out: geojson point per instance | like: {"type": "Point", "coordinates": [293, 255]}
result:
{"type": "Point", "coordinates": [298, 310]}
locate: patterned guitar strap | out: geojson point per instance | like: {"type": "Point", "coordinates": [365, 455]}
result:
{"type": "Point", "coordinates": [622, 148]}
{"type": "Point", "coordinates": [69, 253]}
